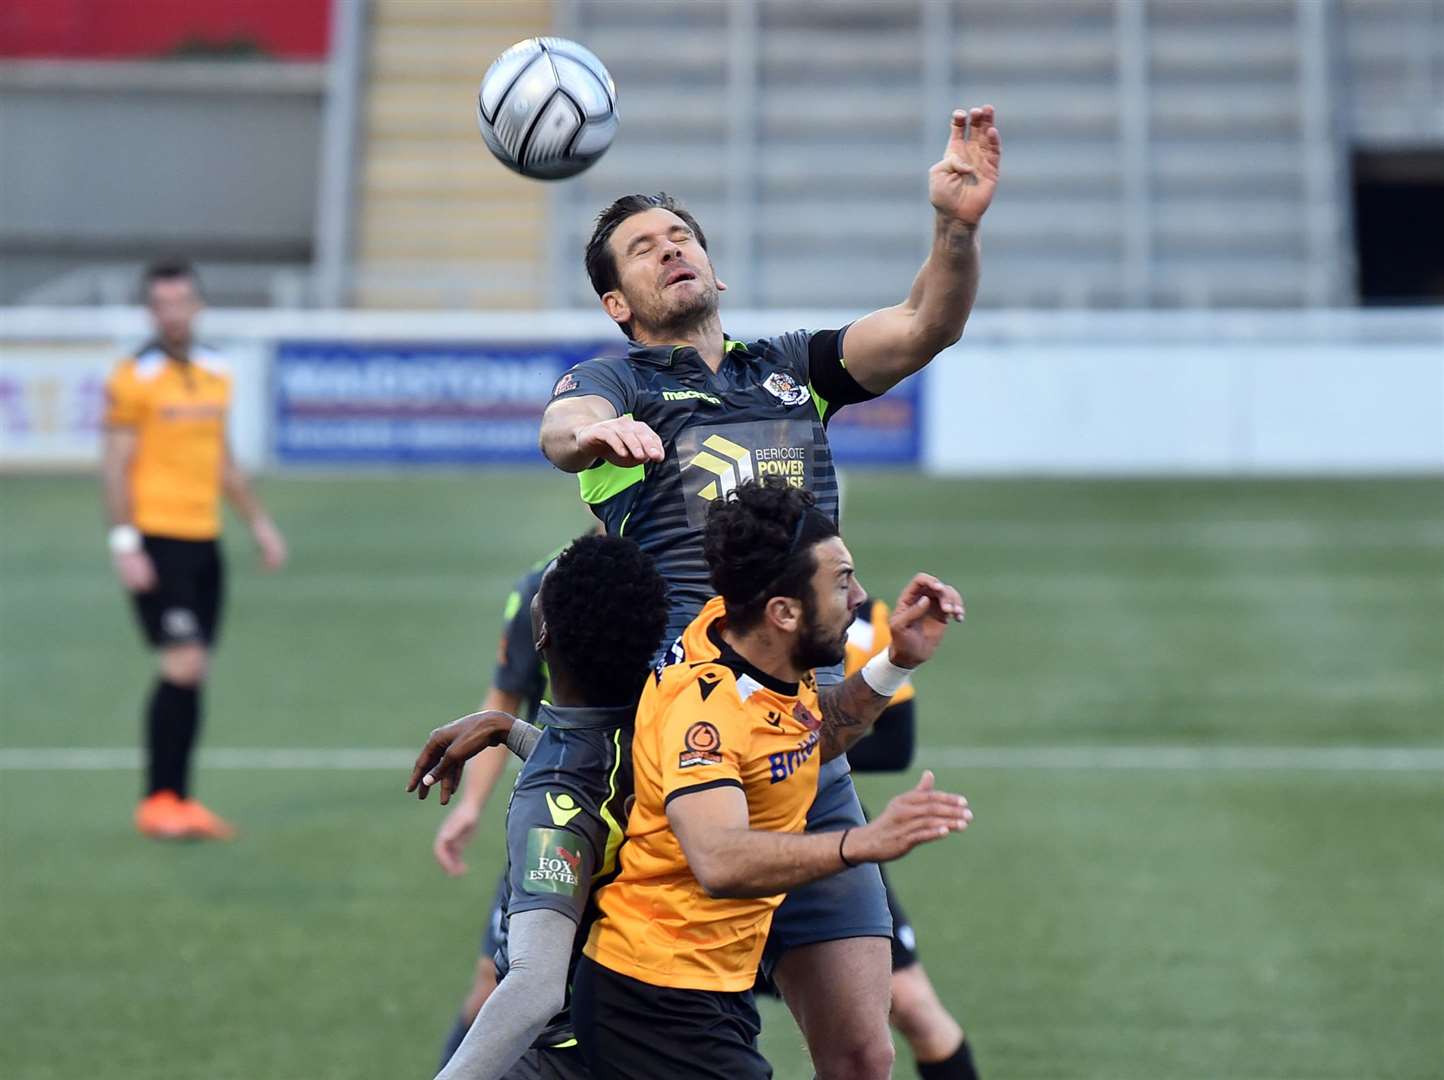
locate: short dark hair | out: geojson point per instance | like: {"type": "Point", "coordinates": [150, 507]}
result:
{"type": "Point", "coordinates": [601, 264]}
{"type": "Point", "coordinates": [605, 607]}
{"type": "Point", "coordinates": [759, 542]}
{"type": "Point", "coordinates": [168, 270]}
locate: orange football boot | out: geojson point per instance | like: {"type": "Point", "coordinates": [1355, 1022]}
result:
{"type": "Point", "coordinates": [202, 824]}
{"type": "Point", "coordinates": [162, 816]}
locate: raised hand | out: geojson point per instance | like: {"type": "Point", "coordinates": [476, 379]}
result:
{"type": "Point", "coordinates": [449, 748]}
{"type": "Point", "coordinates": [915, 817]}
{"type": "Point", "coordinates": [920, 618]}
{"type": "Point", "coordinates": [622, 441]}
{"type": "Point", "coordinates": [961, 185]}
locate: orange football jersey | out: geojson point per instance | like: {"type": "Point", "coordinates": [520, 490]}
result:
{"type": "Point", "coordinates": [179, 413]}
{"type": "Point", "coordinates": [708, 720]}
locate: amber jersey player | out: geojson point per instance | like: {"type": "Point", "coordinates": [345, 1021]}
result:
{"type": "Point", "coordinates": [727, 749]}
{"type": "Point", "coordinates": [166, 465]}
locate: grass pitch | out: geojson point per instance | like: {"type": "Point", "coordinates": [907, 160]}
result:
{"type": "Point", "coordinates": [1108, 922]}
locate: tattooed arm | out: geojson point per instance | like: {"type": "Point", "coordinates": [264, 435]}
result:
{"type": "Point", "coordinates": [849, 709]}
{"type": "Point", "coordinates": [918, 621]}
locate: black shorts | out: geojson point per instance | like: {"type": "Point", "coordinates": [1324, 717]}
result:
{"type": "Point", "coordinates": [184, 608]}
{"type": "Point", "coordinates": [631, 1030]}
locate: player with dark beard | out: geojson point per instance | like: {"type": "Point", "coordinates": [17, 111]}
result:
{"type": "Point", "coordinates": [726, 755]}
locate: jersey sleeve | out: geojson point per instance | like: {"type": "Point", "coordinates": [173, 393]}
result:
{"type": "Point", "coordinates": [604, 377]}
{"type": "Point", "coordinates": [555, 839]}
{"type": "Point", "coordinates": [518, 667]}
{"type": "Point", "coordinates": [704, 738]}
{"type": "Point", "coordinates": [124, 399]}
{"type": "Point", "coordinates": [832, 384]}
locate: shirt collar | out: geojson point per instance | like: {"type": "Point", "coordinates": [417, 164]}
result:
{"type": "Point", "coordinates": [555, 716]}
{"type": "Point", "coordinates": [742, 666]}
{"type": "Point", "coordinates": [664, 355]}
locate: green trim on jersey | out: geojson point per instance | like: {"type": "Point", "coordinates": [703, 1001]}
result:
{"type": "Point", "coordinates": [606, 481]}
{"type": "Point", "coordinates": [616, 832]}
{"type": "Point", "coordinates": [819, 401]}
{"type": "Point", "coordinates": [513, 605]}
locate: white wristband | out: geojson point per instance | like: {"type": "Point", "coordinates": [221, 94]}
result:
{"type": "Point", "coordinates": [124, 539]}
{"type": "Point", "coordinates": [885, 677]}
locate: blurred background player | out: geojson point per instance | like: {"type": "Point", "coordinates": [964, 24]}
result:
{"type": "Point", "coordinates": [939, 1045]}
{"type": "Point", "coordinates": [165, 464]}
{"type": "Point", "coordinates": [517, 686]}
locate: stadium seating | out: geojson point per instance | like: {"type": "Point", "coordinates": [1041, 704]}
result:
{"type": "Point", "coordinates": [437, 223]}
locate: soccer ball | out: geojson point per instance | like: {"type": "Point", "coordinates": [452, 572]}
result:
{"type": "Point", "coordinates": [547, 108]}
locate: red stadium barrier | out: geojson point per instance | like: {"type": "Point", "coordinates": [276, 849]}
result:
{"type": "Point", "coordinates": [151, 29]}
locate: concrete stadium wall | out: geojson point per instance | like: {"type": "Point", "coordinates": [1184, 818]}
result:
{"type": "Point", "coordinates": [1024, 393]}
{"type": "Point", "coordinates": [110, 164]}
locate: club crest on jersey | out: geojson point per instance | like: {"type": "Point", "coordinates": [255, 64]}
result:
{"type": "Point", "coordinates": [803, 715]}
{"type": "Point", "coordinates": [551, 866]}
{"type": "Point", "coordinates": [703, 741]}
{"type": "Point", "coordinates": [784, 387]}
{"type": "Point", "coordinates": [675, 655]}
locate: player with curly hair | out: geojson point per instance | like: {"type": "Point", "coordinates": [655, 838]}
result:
{"type": "Point", "coordinates": [596, 620]}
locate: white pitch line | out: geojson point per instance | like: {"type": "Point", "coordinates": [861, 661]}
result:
{"type": "Point", "coordinates": [1190, 758]}
{"type": "Point", "coordinates": [1143, 758]}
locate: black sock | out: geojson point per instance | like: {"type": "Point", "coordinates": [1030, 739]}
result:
{"type": "Point", "coordinates": [172, 720]}
{"type": "Point", "coordinates": [453, 1040]}
{"type": "Point", "coordinates": [958, 1067]}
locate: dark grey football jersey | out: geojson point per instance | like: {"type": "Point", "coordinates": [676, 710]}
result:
{"type": "Point", "coordinates": [764, 413]}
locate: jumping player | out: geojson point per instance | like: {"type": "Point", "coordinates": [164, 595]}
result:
{"type": "Point", "coordinates": [689, 414]}
{"type": "Point", "coordinates": [165, 465]}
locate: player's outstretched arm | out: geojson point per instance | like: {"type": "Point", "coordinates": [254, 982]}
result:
{"type": "Point", "coordinates": [577, 432]}
{"type": "Point", "coordinates": [918, 622]}
{"type": "Point", "coordinates": [448, 748]}
{"type": "Point", "coordinates": [730, 859]}
{"type": "Point", "coordinates": [888, 345]}
{"type": "Point", "coordinates": [479, 781]}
